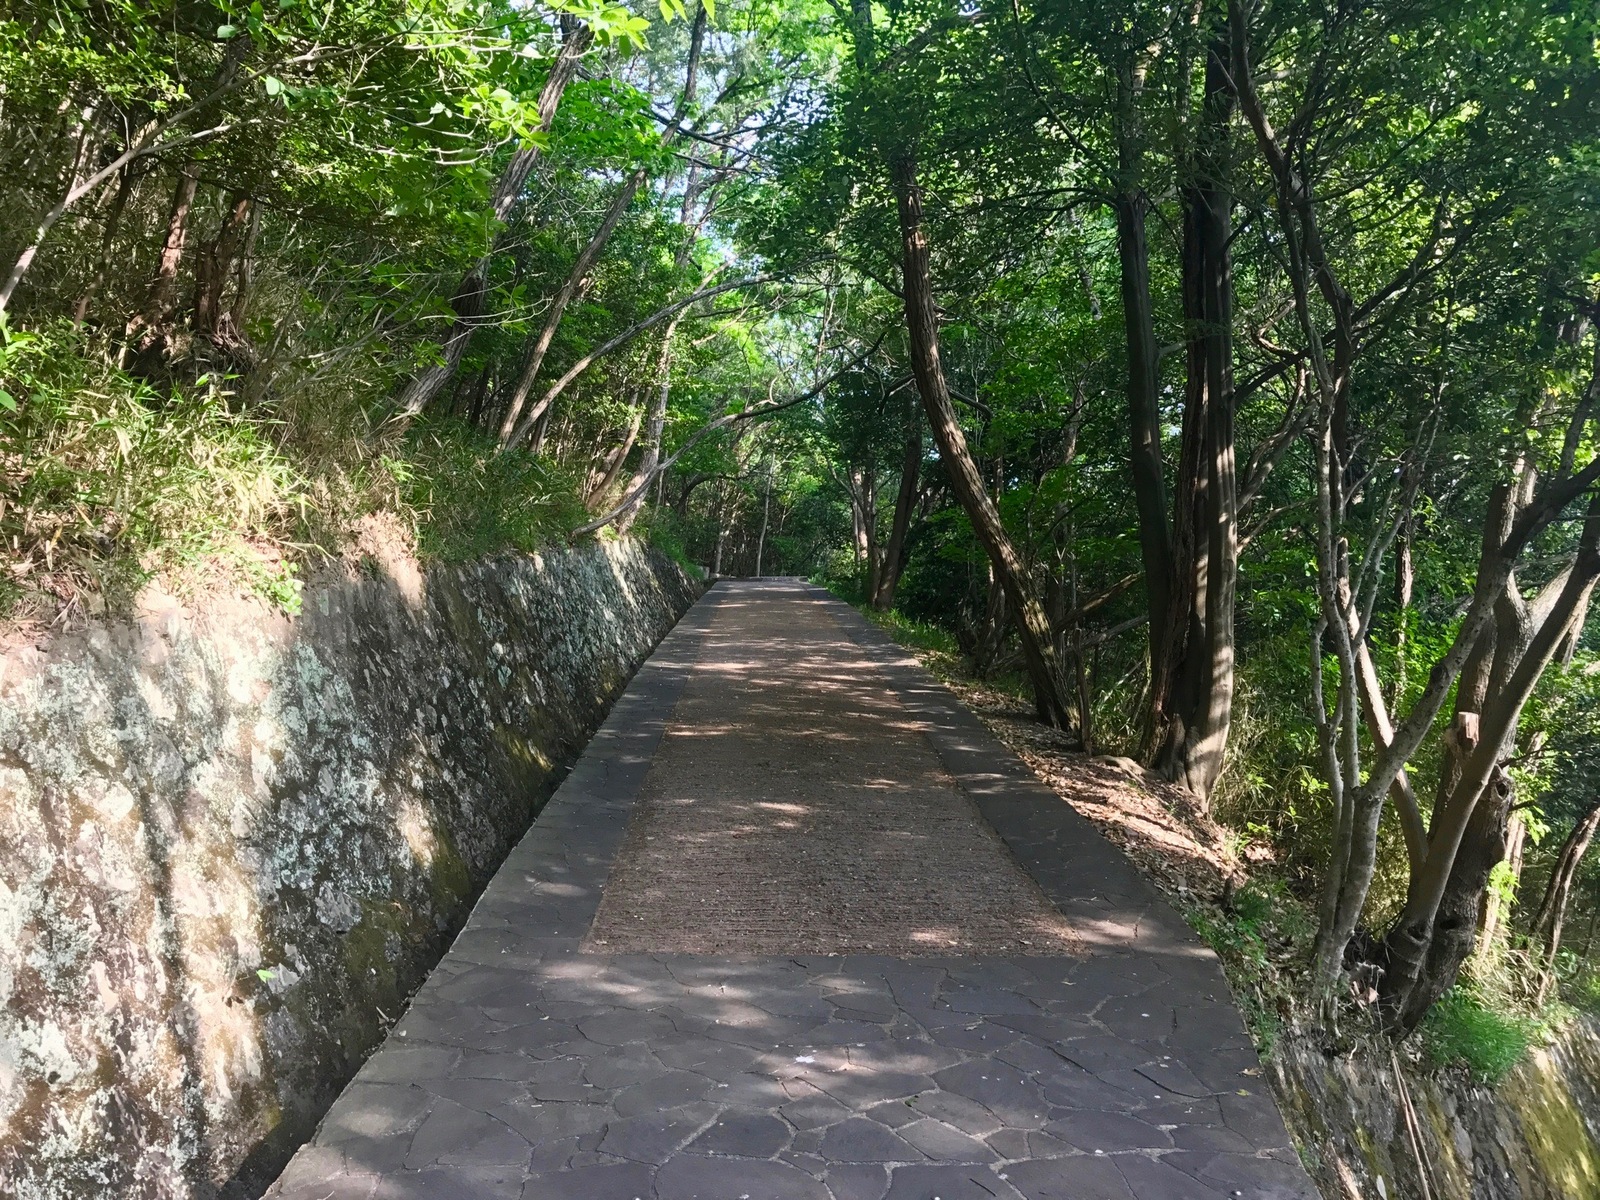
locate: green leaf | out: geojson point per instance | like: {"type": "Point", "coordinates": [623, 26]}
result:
{"type": "Point", "coordinates": [264, 975]}
{"type": "Point", "coordinates": [226, 31]}
{"type": "Point", "coordinates": [7, 402]}
{"type": "Point", "coordinates": [273, 84]}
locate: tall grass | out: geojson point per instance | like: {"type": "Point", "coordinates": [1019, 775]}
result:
{"type": "Point", "coordinates": [106, 482]}
{"type": "Point", "coordinates": [1463, 1030]}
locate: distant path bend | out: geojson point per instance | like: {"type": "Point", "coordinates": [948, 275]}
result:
{"type": "Point", "coordinates": [797, 926]}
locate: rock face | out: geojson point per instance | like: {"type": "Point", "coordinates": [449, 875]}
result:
{"type": "Point", "coordinates": [1535, 1135]}
{"type": "Point", "coordinates": [232, 843]}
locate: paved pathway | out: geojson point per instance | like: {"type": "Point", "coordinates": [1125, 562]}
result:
{"type": "Point", "coordinates": [797, 926]}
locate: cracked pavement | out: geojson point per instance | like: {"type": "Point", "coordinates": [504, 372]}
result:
{"type": "Point", "coordinates": [530, 1066]}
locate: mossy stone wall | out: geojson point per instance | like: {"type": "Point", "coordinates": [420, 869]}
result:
{"type": "Point", "coordinates": [1535, 1135]}
{"type": "Point", "coordinates": [232, 843]}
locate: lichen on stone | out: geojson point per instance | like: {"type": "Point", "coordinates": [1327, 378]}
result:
{"type": "Point", "coordinates": [232, 843]}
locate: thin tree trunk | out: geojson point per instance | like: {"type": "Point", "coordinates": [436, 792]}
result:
{"type": "Point", "coordinates": [146, 142]}
{"type": "Point", "coordinates": [1144, 421]}
{"type": "Point", "coordinates": [905, 501]}
{"type": "Point", "coordinates": [612, 467]}
{"type": "Point", "coordinates": [1405, 581]}
{"type": "Point", "coordinates": [213, 265]}
{"type": "Point", "coordinates": [152, 325]}
{"type": "Point", "coordinates": [658, 412]}
{"type": "Point", "coordinates": [467, 301]}
{"type": "Point", "coordinates": [766, 512]}
{"type": "Point", "coordinates": [1552, 914]}
{"type": "Point", "coordinates": [655, 430]}
{"type": "Point", "coordinates": [1495, 903]}
{"type": "Point", "coordinates": [540, 346]}
{"type": "Point", "coordinates": [540, 409]}
{"type": "Point", "coordinates": [721, 518]}
{"type": "Point", "coordinates": [1033, 627]}
{"type": "Point", "coordinates": [991, 637]}
{"type": "Point", "coordinates": [126, 181]}
{"type": "Point", "coordinates": [245, 275]}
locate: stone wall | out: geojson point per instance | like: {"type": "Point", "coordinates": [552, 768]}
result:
{"type": "Point", "coordinates": [1535, 1135]}
{"type": "Point", "coordinates": [232, 843]}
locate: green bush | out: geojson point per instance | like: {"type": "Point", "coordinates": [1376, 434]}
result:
{"type": "Point", "coordinates": [106, 482]}
{"type": "Point", "coordinates": [466, 499]}
{"type": "Point", "coordinates": [1462, 1030]}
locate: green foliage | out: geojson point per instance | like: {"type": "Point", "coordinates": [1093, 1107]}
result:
{"type": "Point", "coordinates": [109, 482]}
{"type": "Point", "coordinates": [466, 499]}
{"type": "Point", "coordinates": [1461, 1030]}
{"type": "Point", "coordinates": [1259, 933]}
{"type": "Point", "coordinates": [919, 635]}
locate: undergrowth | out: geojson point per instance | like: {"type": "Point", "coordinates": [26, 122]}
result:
{"type": "Point", "coordinates": [465, 499]}
{"type": "Point", "coordinates": [1463, 1030]}
{"type": "Point", "coordinates": [106, 482]}
{"type": "Point", "coordinates": [1261, 932]}
{"type": "Point", "coordinates": [109, 481]}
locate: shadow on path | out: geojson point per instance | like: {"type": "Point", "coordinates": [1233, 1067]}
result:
{"type": "Point", "coordinates": [1111, 1066]}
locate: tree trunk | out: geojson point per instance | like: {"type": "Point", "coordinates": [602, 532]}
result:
{"type": "Point", "coordinates": [766, 512]}
{"type": "Point", "coordinates": [1192, 695]}
{"type": "Point", "coordinates": [864, 504]}
{"type": "Point", "coordinates": [1033, 628]}
{"type": "Point", "coordinates": [126, 180]}
{"type": "Point", "coordinates": [991, 637]}
{"type": "Point", "coordinates": [1435, 932]}
{"type": "Point", "coordinates": [612, 467]}
{"type": "Point", "coordinates": [151, 327]}
{"type": "Point", "coordinates": [245, 275]}
{"type": "Point", "coordinates": [1495, 904]}
{"type": "Point", "coordinates": [654, 430]}
{"type": "Point", "coordinates": [1144, 425]}
{"type": "Point", "coordinates": [213, 265]}
{"type": "Point", "coordinates": [467, 301]}
{"type": "Point", "coordinates": [905, 500]}
{"type": "Point", "coordinates": [534, 359]}
{"type": "Point", "coordinates": [1552, 914]}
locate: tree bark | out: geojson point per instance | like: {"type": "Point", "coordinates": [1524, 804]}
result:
{"type": "Point", "coordinates": [1435, 932]}
{"type": "Point", "coordinates": [1495, 904]}
{"type": "Point", "coordinates": [467, 301]}
{"type": "Point", "coordinates": [612, 467]}
{"type": "Point", "coordinates": [658, 412]}
{"type": "Point", "coordinates": [905, 500]}
{"type": "Point", "coordinates": [540, 346]}
{"type": "Point", "coordinates": [1192, 694]}
{"type": "Point", "coordinates": [1552, 914]}
{"type": "Point", "coordinates": [656, 427]}
{"type": "Point", "coordinates": [151, 327]}
{"type": "Point", "coordinates": [1144, 423]}
{"type": "Point", "coordinates": [766, 513]}
{"type": "Point", "coordinates": [214, 262]}
{"type": "Point", "coordinates": [1033, 627]}
{"type": "Point", "coordinates": [126, 181]}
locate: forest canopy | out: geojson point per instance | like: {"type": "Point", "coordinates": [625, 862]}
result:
{"type": "Point", "coordinates": [1222, 377]}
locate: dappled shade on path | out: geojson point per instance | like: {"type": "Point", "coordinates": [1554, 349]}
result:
{"type": "Point", "coordinates": [793, 807]}
{"type": "Point", "coordinates": [534, 1066]}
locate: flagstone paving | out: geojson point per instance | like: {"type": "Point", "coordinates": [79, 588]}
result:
{"type": "Point", "coordinates": [797, 926]}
